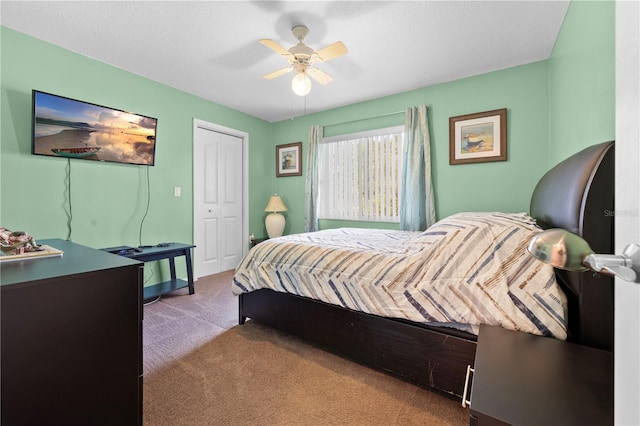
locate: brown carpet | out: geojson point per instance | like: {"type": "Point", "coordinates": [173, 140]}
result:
{"type": "Point", "coordinates": [201, 368]}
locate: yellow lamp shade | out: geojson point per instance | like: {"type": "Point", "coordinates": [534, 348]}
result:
{"type": "Point", "coordinates": [275, 204]}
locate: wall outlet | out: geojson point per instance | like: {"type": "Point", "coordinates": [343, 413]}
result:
{"type": "Point", "coordinates": [177, 191]}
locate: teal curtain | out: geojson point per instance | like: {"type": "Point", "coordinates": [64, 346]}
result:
{"type": "Point", "coordinates": [417, 207]}
{"type": "Point", "coordinates": [311, 185]}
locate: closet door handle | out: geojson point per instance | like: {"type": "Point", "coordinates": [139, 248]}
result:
{"type": "Point", "coordinates": [467, 402]}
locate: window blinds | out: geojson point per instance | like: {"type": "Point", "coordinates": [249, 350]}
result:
{"type": "Point", "coordinates": [359, 176]}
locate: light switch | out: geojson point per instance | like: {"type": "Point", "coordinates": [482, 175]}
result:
{"type": "Point", "coordinates": [177, 191]}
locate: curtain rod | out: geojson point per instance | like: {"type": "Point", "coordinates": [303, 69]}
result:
{"type": "Point", "coordinates": [368, 118]}
{"type": "Point", "coordinates": [365, 119]}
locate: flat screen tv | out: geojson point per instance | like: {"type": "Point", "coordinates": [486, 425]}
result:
{"type": "Point", "coordinates": [68, 128]}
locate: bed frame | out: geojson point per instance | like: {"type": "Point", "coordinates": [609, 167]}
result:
{"type": "Point", "coordinates": [576, 195]}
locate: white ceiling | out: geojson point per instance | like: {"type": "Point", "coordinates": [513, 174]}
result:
{"type": "Point", "coordinates": [210, 48]}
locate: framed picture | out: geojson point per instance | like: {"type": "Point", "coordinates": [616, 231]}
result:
{"type": "Point", "coordinates": [478, 138]}
{"type": "Point", "coordinates": [289, 159]}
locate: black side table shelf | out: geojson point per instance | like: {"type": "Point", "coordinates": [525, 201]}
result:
{"type": "Point", "coordinates": [170, 252]}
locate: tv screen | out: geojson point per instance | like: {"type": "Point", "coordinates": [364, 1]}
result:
{"type": "Point", "coordinates": [68, 128]}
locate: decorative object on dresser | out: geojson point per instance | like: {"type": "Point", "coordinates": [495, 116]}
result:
{"type": "Point", "coordinates": [275, 221]}
{"type": "Point", "coordinates": [478, 138]}
{"type": "Point", "coordinates": [17, 245]}
{"type": "Point", "coordinates": [583, 184]}
{"type": "Point", "coordinates": [72, 339]}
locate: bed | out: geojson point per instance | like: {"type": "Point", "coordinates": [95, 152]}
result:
{"type": "Point", "coordinates": [433, 350]}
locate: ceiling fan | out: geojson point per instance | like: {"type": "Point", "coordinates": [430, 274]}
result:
{"type": "Point", "coordinates": [301, 57]}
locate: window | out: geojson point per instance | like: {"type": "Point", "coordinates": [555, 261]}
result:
{"type": "Point", "coordinates": [359, 176]}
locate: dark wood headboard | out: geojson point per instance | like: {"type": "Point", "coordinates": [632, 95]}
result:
{"type": "Point", "coordinates": [578, 195]}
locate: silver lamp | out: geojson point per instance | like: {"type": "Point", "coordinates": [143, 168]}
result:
{"type": "Point", "coordinates": [565, 250]}
{"type": "Point", "coordinates": [275, 221]}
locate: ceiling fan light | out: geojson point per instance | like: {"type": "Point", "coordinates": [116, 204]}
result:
{"type": "Point", "coordinates": [301, 84]}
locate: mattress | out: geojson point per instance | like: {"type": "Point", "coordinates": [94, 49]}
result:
{"type": "Point", "coordinates": [465, 270]}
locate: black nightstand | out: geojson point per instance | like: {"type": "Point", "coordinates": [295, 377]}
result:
{"type": "Point", "coordinates": [256, 241]}
{"type": "Point", "coordinates": [522, 379]}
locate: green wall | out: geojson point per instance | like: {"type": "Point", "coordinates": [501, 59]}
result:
{"type": "Point", "coordinates": [582, 80]}
{"type": "Point", "coordinates": [498, 186]}
{"type": "Point", "coordinates": [555, 108]}
{"type": "Point", "coordinates": [108, 200]}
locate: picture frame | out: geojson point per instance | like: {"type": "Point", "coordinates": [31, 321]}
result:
{"type": "Point", "coordinates": [478, 138]}
{"type": "Point", "coordinates": [289, 159]}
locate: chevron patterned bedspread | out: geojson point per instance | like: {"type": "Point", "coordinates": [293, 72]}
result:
{"type": "Point", "coordinates": [465, 270]}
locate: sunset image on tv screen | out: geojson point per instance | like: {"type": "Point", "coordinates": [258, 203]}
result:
{"type": "Point", "coordinates": [69, 128]}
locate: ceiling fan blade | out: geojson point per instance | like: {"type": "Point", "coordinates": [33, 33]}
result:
{"type": "Point", "coordinates": [319, 76]}
{"type": "Point", "coordinates": [275, 47]}
{"type": "Point", "coordinates": [332, 51]}
{"type": "Point", "coordinates": [278, 73]}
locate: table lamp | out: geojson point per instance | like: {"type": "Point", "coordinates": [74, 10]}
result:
{"type": "Point", "coordinates": [275, 221]}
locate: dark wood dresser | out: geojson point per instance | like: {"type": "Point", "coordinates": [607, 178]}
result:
{"type": "Point", "coordinates": [71, 338]}
{"type": "Point", "coordinates": [522, 379]}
